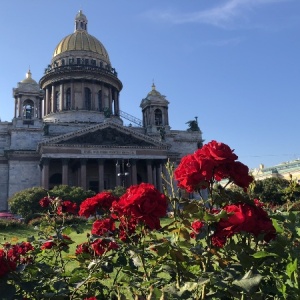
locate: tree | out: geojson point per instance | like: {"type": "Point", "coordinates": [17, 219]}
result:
{"type": "Point", "coordinates": [26, 202]}
{"type": "Point", "coordinates": [271, 190]}
{"type": "Point", "coordinates": [73, 193]}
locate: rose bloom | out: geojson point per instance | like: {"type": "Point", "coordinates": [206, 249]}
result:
{"type": "Point", "coordinates": [45, 202]}
{"type": "Point", "coordinates": [100, 246]}
{"type": "Point", "coordinates": [244, 218]}
{"type": "Point", "coordinates": [102, 200]}
{"type": "Point", "coordinates": [48, 245]}
{"type": "Point", "coordinates": [6, 265]}
{"type": "Point", "coordinates": [190, 175]}
{"type": "Point", "coordinates": [144, 203]}
{"type": "Point", "coordinates": [219, 152]}
{"type": "Point", "coordinates": [239, 173]}
{"type": "Point", "coordinates": [67, 207]}
{"type": "Point", "coordinates": [103, 227]}
{"type": "Point", "coordinates": [82, 248]}
{"type": "Point", "coordinates": [196, 226]}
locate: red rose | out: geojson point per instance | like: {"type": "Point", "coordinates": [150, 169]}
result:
{"type": "Point", "coordinates": [196, 226]}
{"type": "Point", "coordinates": [103, 227]}
{"type": "Point", "coordinates": [190, 175]}
{"type": "Point", "coordinates": [219, 152]}
{"type": "Point", "coordinates": [244, 218]}
{"type": "Point", "coordinates": [48, 245]}
{"type": "Point", "coordinates": [144, 203]}
{"type": "Point", "coordinates": [102, 200]}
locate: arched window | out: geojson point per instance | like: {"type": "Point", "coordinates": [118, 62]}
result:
{"type": "Point", "coordinates": [87, 97]}
{"type": "Point", "coordinates": [57, 101]}
{"type": "Point", "coordinates": [158, 117]}
{"type": "Point", "coordinates": [100, 101]}
{"type": "Point", "coordinates": [68, 99]}
{"type": "Point", "coordinates": [28, 109]}
{"type": "Point", "coordinates": [62, 62]}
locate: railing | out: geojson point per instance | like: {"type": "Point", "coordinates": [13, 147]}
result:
{"type": "Point", "coordinates": [78, 67]}
{"type": "Point", "coordinates": [131, 118]}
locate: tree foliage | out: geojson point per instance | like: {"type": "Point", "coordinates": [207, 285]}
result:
{"type": "Point", "coordinates": [73, 193]}
{"type": "Point", "coordinates": [272, 190]}
{"type": "Point", "coordinates": [26, 202]}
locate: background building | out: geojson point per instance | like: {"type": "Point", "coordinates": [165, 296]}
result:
{"type": "Point", "coordinates": [68, 128]}
{"type": "Point", "coordinates": [284, 170]}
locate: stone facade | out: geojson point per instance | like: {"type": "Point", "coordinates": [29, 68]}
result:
{"type": "Point", "coordinates": [68, 128]}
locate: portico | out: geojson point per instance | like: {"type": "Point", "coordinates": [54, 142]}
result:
{"type": "Point", "coordinates": [100, 174]}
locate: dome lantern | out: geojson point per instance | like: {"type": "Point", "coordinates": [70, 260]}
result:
{"type": "Point", "coordinates": [80, 21]}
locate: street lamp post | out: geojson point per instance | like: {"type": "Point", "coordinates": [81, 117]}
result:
{"type": "Point", "coordinates": [124, 168]}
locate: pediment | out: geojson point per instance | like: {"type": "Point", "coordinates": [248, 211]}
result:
{"type": "Point", "coordinates": [106, 134]}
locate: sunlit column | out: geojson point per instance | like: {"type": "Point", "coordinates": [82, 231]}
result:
{"type": "Point", "coordinates": [45, 173]}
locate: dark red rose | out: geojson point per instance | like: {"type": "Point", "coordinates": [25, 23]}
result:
{"type": "Point", "coordinates": [100, 246]}
{"type": "Point", "coordinates": [67, 207]}
{"type": "Point", "coordinates": [82, 248]}
{"type": "Point", "coordinates": [6, 264]}
{"type": "Point", "coordinates": [45, 202]}
{"type": "Point", "coordinates": [144, 203]}
{"type": "Point", "coordinates": [103, 227]}
{"type": "Point", "coordinates": [239, 173]}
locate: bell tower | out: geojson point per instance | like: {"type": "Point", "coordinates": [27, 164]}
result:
{"type": "Point", "coordinates": [155, 112]}
{"type": "Point", "coordinates": [28, 101]}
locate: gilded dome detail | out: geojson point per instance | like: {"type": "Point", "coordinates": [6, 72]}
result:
{"type": "Point", "coordinates": [28, 78]}
{"type": "Point", "coordinates": [81, 40]}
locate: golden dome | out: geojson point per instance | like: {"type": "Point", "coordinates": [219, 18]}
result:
{"type": "Point", "coordinates": [28, 78]}
{"type": "Point", "coordinates": [80, 40]}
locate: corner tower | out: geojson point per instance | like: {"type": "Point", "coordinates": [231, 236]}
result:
{"type": "Point", "coordinates": [80, 84]}
{"type": "Point", "coordinates": [28, 101]}
{"type": "Point", "coordinates": [155, 112]}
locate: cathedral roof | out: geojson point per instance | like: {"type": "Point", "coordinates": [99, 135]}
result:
{"type": "Point", "coordinates": [81, 40]}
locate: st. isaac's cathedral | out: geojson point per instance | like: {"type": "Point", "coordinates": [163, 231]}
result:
{"type": "Point", "coordinates": [68, 127]}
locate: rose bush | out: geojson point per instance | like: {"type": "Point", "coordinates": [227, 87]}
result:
{"type": "Point", "coordinates": [231, 248]}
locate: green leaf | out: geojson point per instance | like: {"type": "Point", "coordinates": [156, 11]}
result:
{"type": "Point", "coordinates": [249, 282]}
{"type": "Point", "coordinates": [262, 254]}
{"type": "Point", "coordinates": [277, 227]}
{"type": "Point", "coordinates": [291, 268]}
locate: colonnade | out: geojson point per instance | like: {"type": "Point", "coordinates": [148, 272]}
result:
{"type": "Point", "coordinates": [108, 94]}
{"type": "Point", "coordinates": [136, 172]}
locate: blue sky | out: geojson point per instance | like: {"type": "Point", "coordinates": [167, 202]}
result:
{"type": "Point", "coordinates": [232, 63]}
